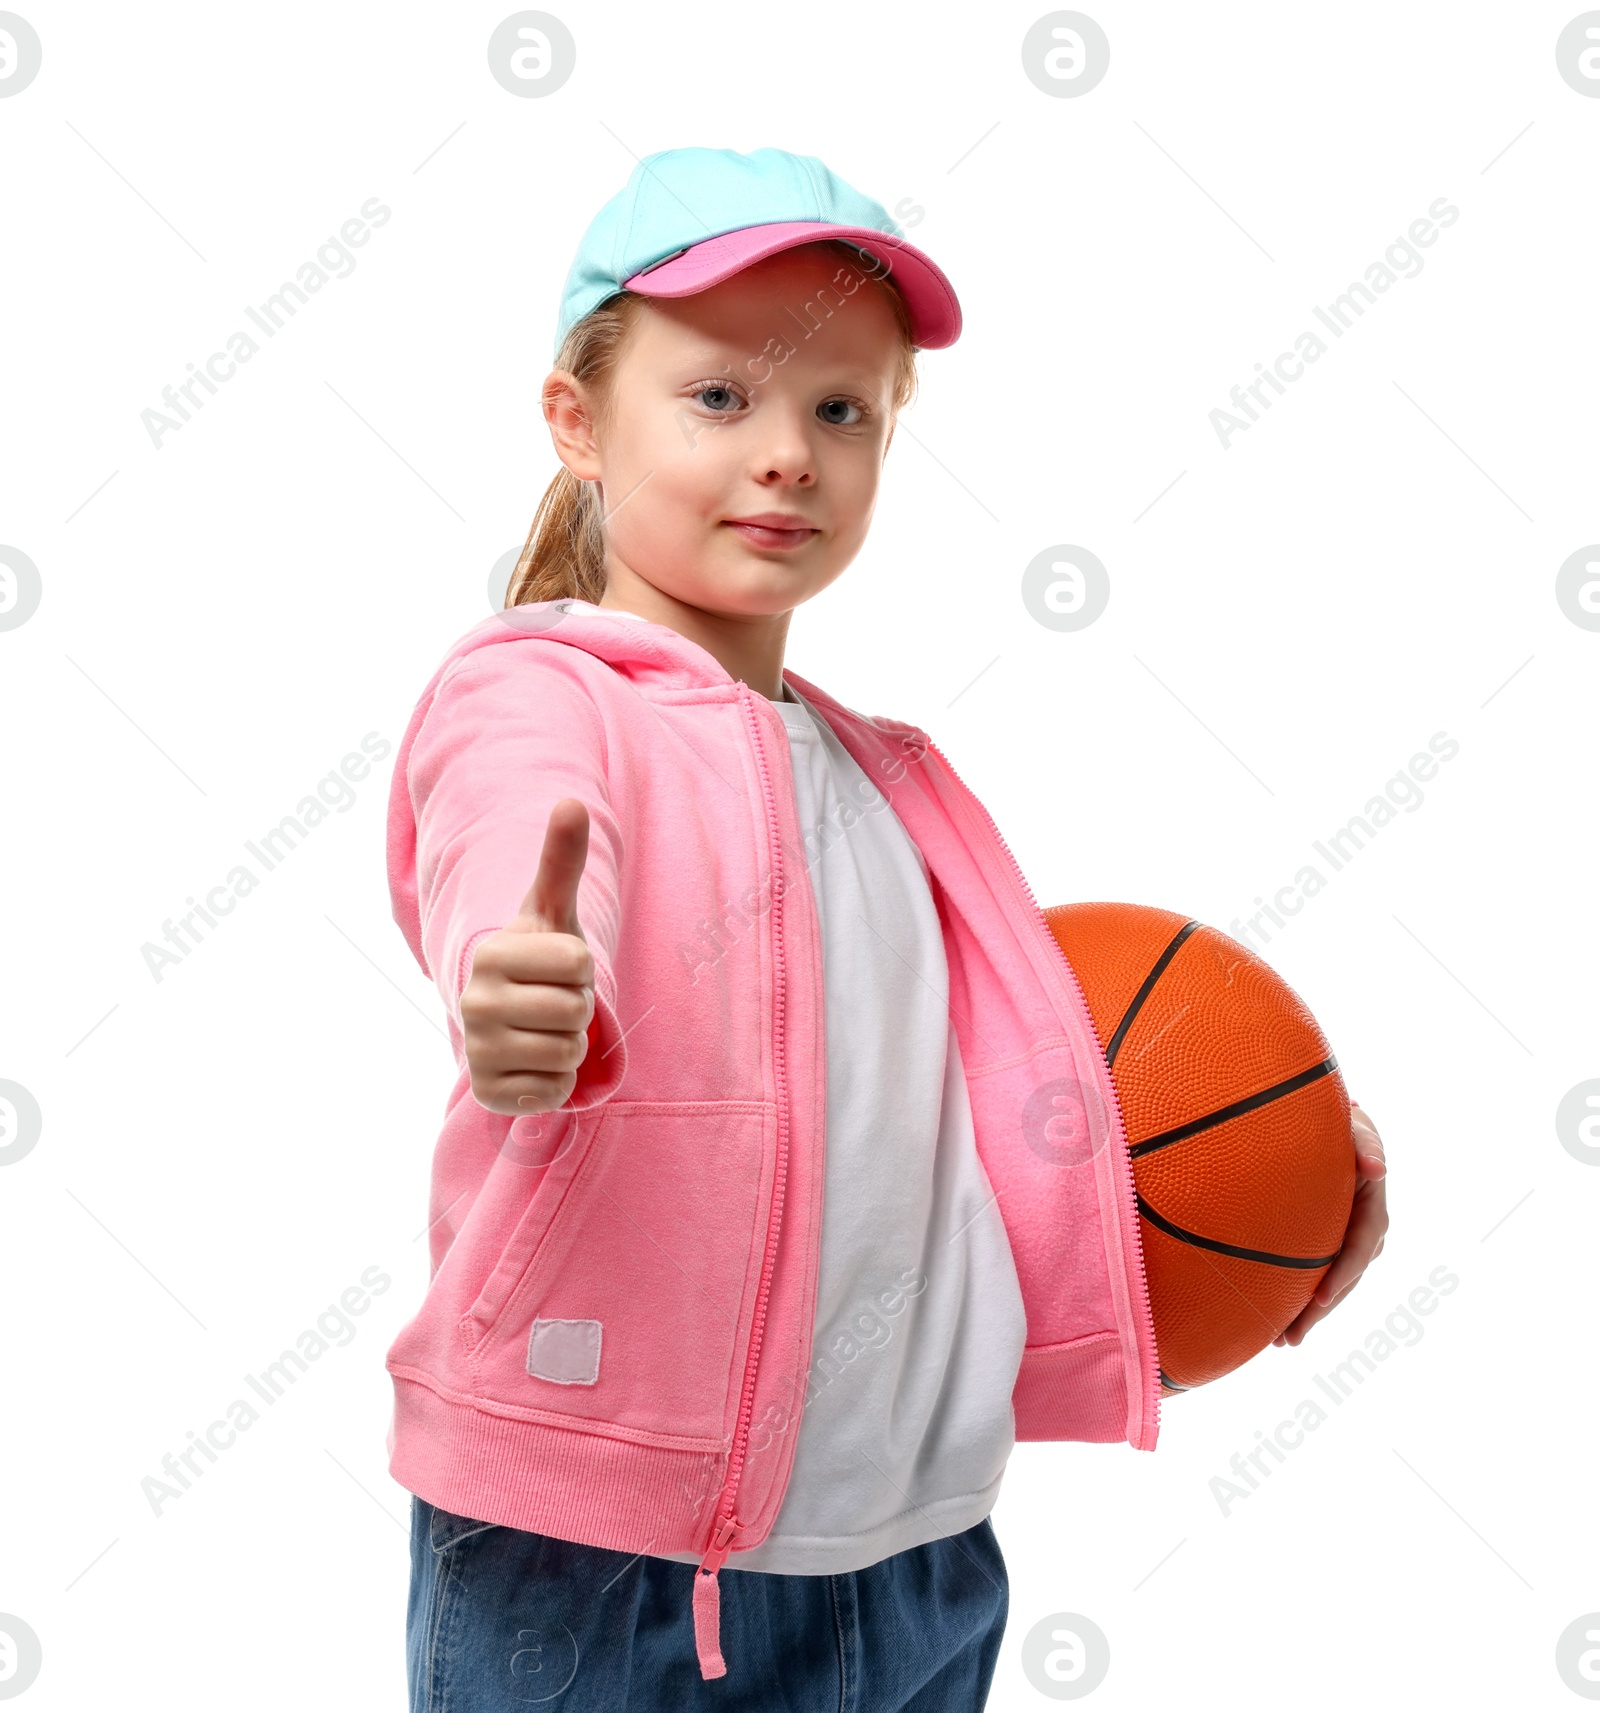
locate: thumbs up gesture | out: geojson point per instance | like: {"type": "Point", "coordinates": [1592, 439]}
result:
{"type": "Point", "coordinates": [526, 1008]}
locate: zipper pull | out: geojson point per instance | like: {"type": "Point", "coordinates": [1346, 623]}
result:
{"type": "Point", "coordinates": [708, 1602]}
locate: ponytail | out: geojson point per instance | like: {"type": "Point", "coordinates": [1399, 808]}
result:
{"type": "Point", "coordinates": [565, 554]}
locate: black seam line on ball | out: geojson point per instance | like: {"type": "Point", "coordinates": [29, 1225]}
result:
{"type": "Point", "coordinates": [1211, 1243]}
{"type": "Point", "coordinates": [1144, 992]}
{"type": "Point", "coordinates": [1171, 1384]}
{"type": "Point", "coordinates": [1224, 1113]}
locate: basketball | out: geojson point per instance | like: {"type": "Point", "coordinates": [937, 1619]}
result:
{"type": "Point", "coordinates": [1237, 1122]}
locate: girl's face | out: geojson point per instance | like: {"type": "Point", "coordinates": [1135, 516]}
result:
{"type": "Point", "coordinates": [732, 404]}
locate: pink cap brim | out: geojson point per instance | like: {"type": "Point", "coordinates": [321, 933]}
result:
{"type": "Point", "coordinates": [931, 299]}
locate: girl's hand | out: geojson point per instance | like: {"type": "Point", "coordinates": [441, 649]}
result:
{"type": "Point", "coordinates": [526, 1008]}
{"type": "Point", "coordinates": [1363, 1237]}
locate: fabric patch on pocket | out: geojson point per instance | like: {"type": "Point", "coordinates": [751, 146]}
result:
{"type": "Point", "coordinates": [566, 1351]}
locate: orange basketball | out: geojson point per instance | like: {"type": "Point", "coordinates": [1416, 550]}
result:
{"type": "Point", "coordinates": [1238, 1128]}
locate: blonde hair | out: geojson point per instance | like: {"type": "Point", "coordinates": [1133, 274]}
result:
{"type": "Point", "coordinates": [564, 554]}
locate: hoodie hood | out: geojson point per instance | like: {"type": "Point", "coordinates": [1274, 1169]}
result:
{"type": "Point", "coordinates": [653, 657]}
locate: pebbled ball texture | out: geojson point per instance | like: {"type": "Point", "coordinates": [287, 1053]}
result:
{"type": "Point", "coordinates": [1241, 1214]}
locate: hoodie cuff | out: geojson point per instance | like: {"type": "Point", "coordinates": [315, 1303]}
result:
{"type": "Point", "coordinates": [606, 1062]}
{"type": "Point", "coordinates": [464, 974]}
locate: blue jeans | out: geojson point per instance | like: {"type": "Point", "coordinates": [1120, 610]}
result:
{"type": "Point", "coordinates": [500, 1619]}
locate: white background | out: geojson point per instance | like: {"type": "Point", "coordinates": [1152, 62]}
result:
{"type": "Point", "coordinates": [226, 1150]}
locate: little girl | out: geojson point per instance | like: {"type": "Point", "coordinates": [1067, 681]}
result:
{"type": "Point", "coordinates": [781, 1188]}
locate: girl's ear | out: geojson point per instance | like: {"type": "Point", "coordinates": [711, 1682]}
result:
{"type": "Point", "coordinates": [566, 410]}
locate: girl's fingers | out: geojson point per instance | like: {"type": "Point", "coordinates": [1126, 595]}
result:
{"type": "Point", "coordinates": [534, 1091]}
{"type": "Point", "coordinates": [1369, 1219]}
{"type": "Point", "coordinates": [521, 1093]}
{"type": "Point", "coordinates": [1368, 1144]}
{"type": "Point", "coordinates": [1363, 1241]}
{"type": "Point", "coordinates": [1364, 1234]}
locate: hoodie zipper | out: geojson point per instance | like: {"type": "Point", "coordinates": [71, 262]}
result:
{"type": "Point", "coordinates": [707, 1603]}
{"type": "Point", "coordinates": [1121, 1165]}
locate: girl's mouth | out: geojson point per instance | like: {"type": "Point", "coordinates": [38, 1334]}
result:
{"type": "Point", "coordinates": [760, 535]}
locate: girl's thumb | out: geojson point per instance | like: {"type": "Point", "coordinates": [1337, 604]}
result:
{"type": "Point", "coordinates": [551, 905]}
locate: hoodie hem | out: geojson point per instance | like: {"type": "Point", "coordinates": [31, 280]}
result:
{"type": "Point", "coordinates": [577, 1486]}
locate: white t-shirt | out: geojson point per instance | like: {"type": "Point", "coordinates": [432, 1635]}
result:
{"type": "Point", "coordinates": [920, 1325]}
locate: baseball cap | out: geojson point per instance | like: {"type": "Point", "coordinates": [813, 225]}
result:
{"type": "Point", "coordinates": [689, 218]}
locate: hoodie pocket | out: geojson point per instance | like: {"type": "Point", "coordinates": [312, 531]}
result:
{"type": "Point", "coordinates": [633, 1308]}
{"type": "Point", "coordinates": [551, 1149]}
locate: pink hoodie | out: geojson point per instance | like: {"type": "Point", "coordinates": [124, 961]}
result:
{"type": "Point", "coordinates": [656, 1240]}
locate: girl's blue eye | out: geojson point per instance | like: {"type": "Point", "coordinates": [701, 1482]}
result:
{"type": "Point", "coordinates": [848, 405]}
{"type": "Point", "coordinates": [727, 392]}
